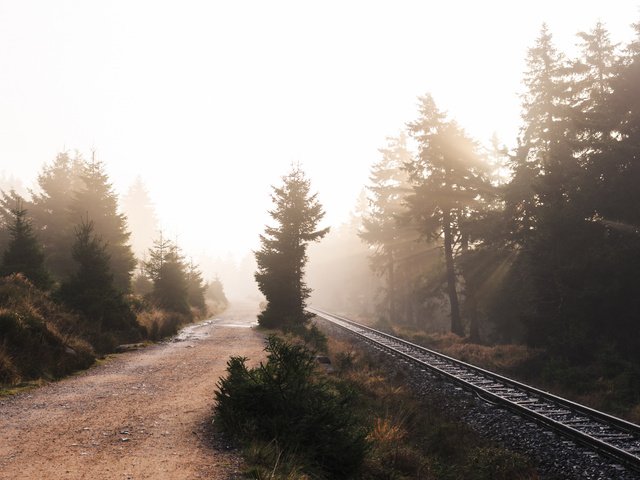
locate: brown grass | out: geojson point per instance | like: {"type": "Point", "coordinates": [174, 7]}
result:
{"type": "Point", "coordinates": [413, 437]}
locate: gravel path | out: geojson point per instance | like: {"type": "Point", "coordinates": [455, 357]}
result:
{"type": "Point", "coordinates": [142, 414]}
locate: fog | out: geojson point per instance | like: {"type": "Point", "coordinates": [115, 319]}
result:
{"type": "Point", "coordinates": [210, 102]}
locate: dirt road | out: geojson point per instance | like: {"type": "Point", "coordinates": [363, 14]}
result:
{"type": "Point", "coordinates": [141, 415]}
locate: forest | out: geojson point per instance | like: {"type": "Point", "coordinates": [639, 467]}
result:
{"type": "Point", "coordinates": [72, 285]}
{"type": "Point", "coordinates": [537, 246]}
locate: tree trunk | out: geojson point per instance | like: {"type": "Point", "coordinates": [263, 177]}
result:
{"type": "Point", "coordinates": [474, 326]}
{"type": "Point", "coordinates": [391, 286]}
{"type": "Point", "coordinates": [456, 322]}
{"type": "Point", "coordinates": [471, 305]}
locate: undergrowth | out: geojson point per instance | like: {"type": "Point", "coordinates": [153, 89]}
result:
{"type": "Point", "coordinates": [293, 420]}
{"type": "Point", "coordinates": [38, 339]}
{"type": "Point", "coordinates": [605, 382]}
{"type": "Point", "coordinates": [414, 437]}
{"type": "Point", "coordinates": [289, 417]}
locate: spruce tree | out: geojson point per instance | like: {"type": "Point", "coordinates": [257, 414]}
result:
{"type": "Point", "coordinates": [282, 257]}
{"type": "Point", "coordinates": [57, 184]}
{"type": "Point", "coordinates": [24, 254]}
{"type": "Point", "coordinates": [543, 163]}
{"type": "Point", "coordinates": [195, 287]}
{"type": "Point", "coordinates": [381, 229]}
{"type": "Point", "coordinates": [97, 201]}
{"type": "Point", "coordinates": [168, 272]}
{"type": "Point", "coordinates": [90, 290]}
{"type": "Point", "coordinates": [141, 217]}
{"type": "Point", "coordinates": [448, 177]}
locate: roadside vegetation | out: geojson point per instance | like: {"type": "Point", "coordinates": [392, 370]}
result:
{"type": "Point", "coordinates": [294, 419]}
{"type": "Point", "coordinates": [299, 415]}
{"type": "Point", "coordinates": [67, 288]}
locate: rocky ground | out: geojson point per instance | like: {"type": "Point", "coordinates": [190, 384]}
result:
{"type": "Point", "coordinates": [143, 414]}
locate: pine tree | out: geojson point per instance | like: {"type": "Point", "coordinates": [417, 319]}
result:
{"type": "Point", "coordinates": [592, 88]}
{"type": "Point", "coordinates": [57, 184]}
{"type": "Point", "coordinates": [141, 216]}
{"type": "Point", "coordinates": [91, 290]}
{"type": "Point", "coordinates": [215, 293]}
{"type": "Point", "coordinates": [195, 287]}
{"type": "Point", "coordinates": [24, 254]}
{"type": "Point", "coordinates": [282, 257]}
{"type": "Point", "coordinates": [167, 271]}
{"type": "Point", "coordinates": [381, 228]}
{"type": "Point", "coordinates": [448, 178]}
{"type": "Point", "coordinates": [543, 164]}
{"type": "Point", "coordinates": [97, 200]}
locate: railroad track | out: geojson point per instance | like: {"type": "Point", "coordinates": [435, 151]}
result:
{"type": "Point", "coordinates": [603, 433]}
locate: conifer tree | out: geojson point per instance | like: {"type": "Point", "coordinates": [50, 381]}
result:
{"type": "Point", "coordinates": [282, 257]}
{"type": "Point", "coordinates": [543, 165]}
{"type": "Point", "coordinates": [167, 271]}
{"type": "Point", "coordinates": [381, 228]}
{"type": "Point", "coordinates": [215, 292]}
{"type": "Point", "coordinates": [24, 254]}
{"type": "Point", "coordinates": [97, 201]}
{"type": "Point", "coordinates": [90, 290]}
{"type": "Point", "coordinates": [592, 87]}
{"type": "Point", "coordinates": [448, 178]}
{"type": "Point", "coordinates": [141, 217]}
{"type": "Point", "coordinates": [57, 184]}
{"type": "Point", "coordinates": [195, 287]}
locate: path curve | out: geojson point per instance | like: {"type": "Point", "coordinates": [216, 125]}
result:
{"type": "Point", "coordinates": [141, 415]}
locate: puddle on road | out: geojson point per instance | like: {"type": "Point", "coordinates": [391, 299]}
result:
{"type": "Point", "coordinates": [238, 325]}
{"type": "Point", "coordinates": [198, 331]}
{"type": "Point", "coordinates": [190, 332]}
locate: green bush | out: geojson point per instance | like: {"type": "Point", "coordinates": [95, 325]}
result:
{"type": "Point", "coordinates": [285, 400]}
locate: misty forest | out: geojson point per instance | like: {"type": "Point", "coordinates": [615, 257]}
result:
{"type": "Point", "coordinates": [535, 246]}
{"type": "Point", "coordinates": [522, 260]}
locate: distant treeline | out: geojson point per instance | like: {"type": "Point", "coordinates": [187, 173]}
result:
{"type": "Point", "coordinates": [539, 244]}
{"type": "Point", "coordinates": [69, 286]}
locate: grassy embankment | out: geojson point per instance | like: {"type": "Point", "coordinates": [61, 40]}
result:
{"type": "Point", "coordinates": [402, 436]}
{"type": "Point", "coordinates": [40, 340]}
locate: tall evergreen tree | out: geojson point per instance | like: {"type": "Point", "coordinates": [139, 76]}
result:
{"type": "Point", "coordinates": [167, 270]}
{"type": "Point", "coordinates": [97, 200]}
{"type": "Point", "coordinates": [282, 257]}
{"type": "Point", "coordinates": [195, 287]}
{"type": "Point", "coordinates": [594, 73]}
{"type": "Point", "coordinates": [448, 178]}
{"type": "Point", "coordinates": [393, 241]}
{"type": "Point", "coordinates": [57, 184]}
{"type": "Point", "coordinates": [141, 217]}
{"type": "Point", "coordinates": [543, 163]}
{"type": "Point", "coordinates": [540, 210]}
{"type": "Point", "coordinates": [91, 290]}
{"type": "Point", "coordinates": [24, 254]}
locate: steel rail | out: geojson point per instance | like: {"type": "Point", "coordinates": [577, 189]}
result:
{"type": "Point", "coordinates": [613, 437]}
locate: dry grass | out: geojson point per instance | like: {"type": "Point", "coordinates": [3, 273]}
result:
{"type": "Point", "coordinates": [39, 338]}
{"type": "Point", "coordinates": [416, 438]}
{"type": "Point", "coordinates": [9, 373]}
{"type": "Point", "coordinates": [160, 323]}
{"type": "Point", "coordinates": [589, 384]}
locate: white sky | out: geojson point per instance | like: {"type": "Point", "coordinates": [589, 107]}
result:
{"type": "Point", "coordinates": [212, 101]}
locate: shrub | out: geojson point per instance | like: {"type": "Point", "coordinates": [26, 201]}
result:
{"type": "Point", "coordinates": [160, 323]}
{"type": "Point", "coordinates": [38, 337]}
{"type": "Point", "coordinates": [9, 374]}
{"type": "Point", "coordinates": [285, 400]}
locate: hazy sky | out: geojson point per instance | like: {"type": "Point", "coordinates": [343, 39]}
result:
{"type": "Point", "coordinates": [212, 101]}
